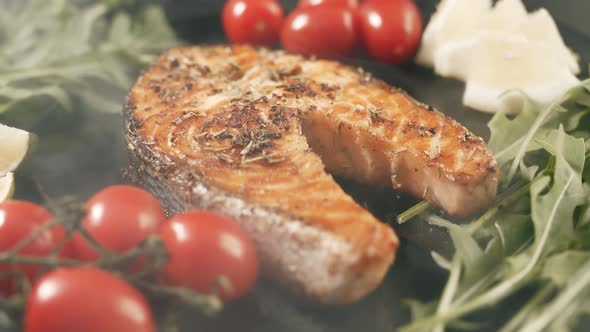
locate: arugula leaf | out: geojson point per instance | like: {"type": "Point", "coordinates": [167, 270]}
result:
{"type": "Point", "coordinates": [466, 245]}
{"type": "Point", "coordinates": [536, 236]}
{"type": "Point", "coordinates": [512, 230]}
{"type": "Point", "coordinates": [528, 309]}
{"type": "Point", "coordinates": [419, 309]}
{"type": "Point", "coordinates": [505, 143]}
{"type": "Point", "coordinates": [512, 139]}
{"type": "Point", "coordinates": [73, 56]}
{"type": "Point", "coordinates": [440, 260]}
{"type": "Point", "coordinates": [553, 211]}
{"type": "Point", "coordinates": [560, 267]}
{"type": "Point", "coordinates": [573, 291]}
{"type": "Point", "coordinates": [584, 219]}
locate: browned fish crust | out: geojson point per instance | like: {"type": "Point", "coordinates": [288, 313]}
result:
{"type": "Point", "coordinates": [238, 130]}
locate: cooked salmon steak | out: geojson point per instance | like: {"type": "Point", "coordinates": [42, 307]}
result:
{"type": "Point", "coordinates": [253, 134]}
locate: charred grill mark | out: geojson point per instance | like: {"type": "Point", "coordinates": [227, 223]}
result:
{"type": "Point", "coordinates": [421, 131]}
{"type": "Point", "coordinates": [299, 88]}
{"type": "Point", "coordinates": [280, 116]}
{"type": "Point", "coordinates": [223, 135]}
{"type": "Point", "coordinates": [411, 127]}
{"type": "Point", "coordinates": [242, 139]}
{"type": "Point", "coordinates": [215, 91]}
{"type": "Point", "coordinates": [324, 87]}
{"type": "Point", "coordinates": [258, 141]}
{"type": "Point", "coordinates": [251, 137]}
{"type": "Point", "coordinates": [272, 136]}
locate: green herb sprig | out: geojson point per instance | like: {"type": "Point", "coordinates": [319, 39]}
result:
{"type": "Point", "coordinates": [538, 234]}
{"type": "Point", "coordinates": [63, 55]}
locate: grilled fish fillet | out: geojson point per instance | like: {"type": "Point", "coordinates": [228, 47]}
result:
{"type": "Point", "coordinates": [250, 132]}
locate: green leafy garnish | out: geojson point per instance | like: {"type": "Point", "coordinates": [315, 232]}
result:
{"type": "Point", "coordinates": [60, 54]}
{"type": "Point", "coordinates": [537, 235]}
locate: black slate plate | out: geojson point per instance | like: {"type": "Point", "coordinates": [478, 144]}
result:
{"type": "Point", "coordinates": [91, 155]}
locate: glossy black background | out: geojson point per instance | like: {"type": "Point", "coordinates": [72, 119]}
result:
{"type": "Point", "coordinates": [91, 155]}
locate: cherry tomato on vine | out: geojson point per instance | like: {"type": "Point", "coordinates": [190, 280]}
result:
{"type": "Point", "coordinates": [308, 3]}
{"type": "Point", "coordinates": [203, 246]}
{"type": "Point", "coordinates": [119, 217]}
{"type": "Point", "coordinates": [18, 220]}
{"type": "Point", "coordinates": [85, 299]}
{"type": "Point", "coordinates": [323, 31]}
{"type": "Point", "coordinates": [391, 30]}
{"type": "Point", "coordinates": [255, 22]}
{"type": "Point", "coordinates": [384, 1]}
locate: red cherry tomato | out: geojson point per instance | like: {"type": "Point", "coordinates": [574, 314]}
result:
{"type": "Point", "coordinates": [391, 31]}
{"type": "Point", "coordinates": [86, 299]}
{"type": "Point", "coordinates": [18, 220]}
{"type": "Point", "coordinates": [385, 1]}
{"type": "Point", "coordinates": [323, 31]}
{"type": "Point", "coordinates": [119, 218]}
{"type": "Point", "coordinates": [255, 22]}
{"type": "Point", "coordinates": [308, 3]}
{"type": "Point", "coordinates": [203, 246]}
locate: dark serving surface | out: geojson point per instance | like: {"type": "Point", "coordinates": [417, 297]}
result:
{"type": "Point", "coordinates": [91, 155]}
